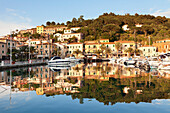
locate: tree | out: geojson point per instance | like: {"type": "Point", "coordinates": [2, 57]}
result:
{"type": "Point", "coordinates": [77, 52]}
{"type": "Point", "coordinates": [130, 51]}
{"type": "Point", "coordinates": [48, 23]}
{"type": "Point", "coordinates": [53, 23]}
{"type": "Point", "coordinates": [118, 46]}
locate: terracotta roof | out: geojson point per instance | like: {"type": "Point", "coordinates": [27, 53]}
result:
{"type": "Point", "coordinates": [104, 39]}
{"type": "Point", "coordinates": [71, 33]}
{"type": "Point", "coordinates": [107, 43]}
{"type": "Point", "coordinates": [124, 41]}
{"type": "Point", "coordinates": [92, 43]}
{"type": "Point", "coordinates": [75, 43]}
{"type": "Point", "coordinates": [21, 37]}
{"type": "Point", "coordinates": [163, 39]}
{"type": "Point", "coordinates": [147, 46]}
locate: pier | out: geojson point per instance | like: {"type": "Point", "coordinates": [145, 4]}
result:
{"type": "Point", "coordinates": [11, 66]}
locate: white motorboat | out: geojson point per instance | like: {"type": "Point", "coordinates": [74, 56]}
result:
{"type": "Point", "coordinates": [58, 61]}
{"type": "Point", "coordinates": [153, 61]}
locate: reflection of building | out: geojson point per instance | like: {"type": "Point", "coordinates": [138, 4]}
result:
{"type": "Point", "coordinates": [4, 79]}
{"type": "Point", "coordinates": [45, 50]}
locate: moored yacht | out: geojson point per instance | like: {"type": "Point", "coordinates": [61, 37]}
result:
{"type": "Point", "coordinates": [58, 61]}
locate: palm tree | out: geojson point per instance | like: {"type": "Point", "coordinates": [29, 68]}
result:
{"type": "Point", "coordinates": [98, 52]}
{"type": "Point", "coordinates": [57, 52]}
{"type": "Point", "coordinates": [130, 51]}
{"type": "Point", "coordinates": [108, 51]}
{"type": "Point", "coordinates": [118, 46]}
{"type": "Point", "coordinates": [77, 52]}
{"type": "Point", "coordinates": [103, 48]}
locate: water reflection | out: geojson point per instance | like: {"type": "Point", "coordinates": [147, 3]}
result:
{"type": "Point", "coordinates": [106, 82]}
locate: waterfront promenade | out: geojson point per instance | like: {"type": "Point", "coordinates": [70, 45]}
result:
{"type": "Point", "coordinates": [22, 64]}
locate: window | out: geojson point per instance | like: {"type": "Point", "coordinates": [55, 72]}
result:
{"type": "Point", "coordinates": [46, 51]}
{"type": "Point", "coordinates": [143, 49]}
{"type": "Point", "coordinates": [94, 46]}
{"type": "Point", "coordinates": [9, 44]}
{"type": "Point", "coordinates": [113, 45]}
{"type": "Point", "coordinates": [46, 46]}
{"type": "Point", "coordinates": [37, 46]}
{"type": "Point", "coordinates": [2, 45]}
{"type": "Point", "coordinates": [107, 46]}
{"type": "Point", "coordinates": [148, 50]}
{"type": "Point", "coordinates": [89, 46]}
{"type": "Point", "coordinates": [2, 51]}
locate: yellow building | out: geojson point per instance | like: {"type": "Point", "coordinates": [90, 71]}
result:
{"type": "Point", "coordinates": [162, 45]}
{"type": "Point", "coordinates": [40, 29]}
{"type": "Point", "coordinates": [148, 51]}
{"type": "Point", "coordinates": [74, 47]}
{"type": "Point", "coordinates": [126, 45]}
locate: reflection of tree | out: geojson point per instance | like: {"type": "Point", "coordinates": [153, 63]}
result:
{"type": "Point", "coordinates": [112, 91]}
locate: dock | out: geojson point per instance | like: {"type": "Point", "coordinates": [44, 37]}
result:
{"type": "Point", "coordinates": [21, 65]}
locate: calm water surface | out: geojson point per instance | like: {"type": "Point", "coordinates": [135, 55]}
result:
{"type": "Point", "coordinates": [84, 88]}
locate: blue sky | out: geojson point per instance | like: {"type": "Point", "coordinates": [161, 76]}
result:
{"type": "Point", "coordinates": [22, 14]}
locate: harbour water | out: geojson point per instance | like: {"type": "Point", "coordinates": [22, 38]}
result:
{"type": "Point", "coordinates": [85, 88]}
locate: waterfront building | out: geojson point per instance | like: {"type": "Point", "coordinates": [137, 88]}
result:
{"type": "Point", "coordinates": [45, 50]}
{"type": "Point", "coordinates": [72, 47]}
{"type": "Point", "coordinates": [148, 51]}
{"type": "Point", "coordinates": [125, 45]}
{"type": "Point", "coordinates": [49, 30]}
{"type": "Point", "coordinates": [3, 50]}
{"type": "Point", "coordinates": [162, 46]}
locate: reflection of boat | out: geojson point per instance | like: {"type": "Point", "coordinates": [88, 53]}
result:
{"type": "Point", "coordinates": [58, 61]}
{"type": "Point", "coordinates": [73, 59]}
{"type": "Point", "coordinates": [130, 62]}
{"type": "Point", "coordinates": [58, 68]}
{"type": "Point", "coordinates": [164, 67]}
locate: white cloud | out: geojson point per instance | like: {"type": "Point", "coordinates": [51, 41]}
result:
{"type": "Point", "coordinates": [162, 13]}
{"type": "Point", "coordinates": [10, 10]}
{"type": "Point", "coordinates": [6, 27]}
{"type": "Point", "coordinates": [17, 14]}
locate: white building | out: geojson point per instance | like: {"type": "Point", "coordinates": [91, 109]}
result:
{"type": "Point", "coordinates": [33, 42]}
{"type": "Point", "coordinates": [125, 27]}
{"type": "Point", "coordinates": [63, 37]}
{"type": "Point", "coordinates": [75, 28]}
{"type": "Point", "coordinates": [148, 51]}
{"type": "Point", "coordinates": [67, 31]}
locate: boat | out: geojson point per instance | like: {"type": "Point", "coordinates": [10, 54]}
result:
{"type": "Point", "coordinates": [153, 61]}
{"type": "Point", "coordinates": [73, 59]}
{"type": "Point", "coordinates": [164, 66]}
{"type": "Point", "coordinates": [58, 61]}
{"type": "Point", "coordinates": [130, 61]}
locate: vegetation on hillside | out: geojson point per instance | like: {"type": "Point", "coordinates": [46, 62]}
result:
{"type": "Point", "coordinates": [110, 26]}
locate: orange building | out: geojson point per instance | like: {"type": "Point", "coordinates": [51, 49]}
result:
{"type": "Point", "coordinates": [162, 45]}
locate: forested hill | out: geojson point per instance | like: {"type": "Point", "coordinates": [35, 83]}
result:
{"type": "Point", "coordinates": [110, 26]}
